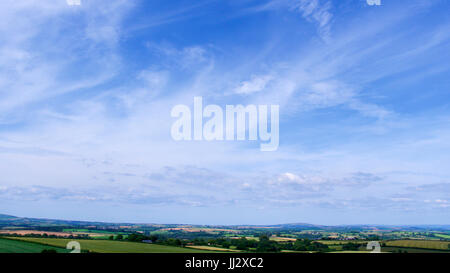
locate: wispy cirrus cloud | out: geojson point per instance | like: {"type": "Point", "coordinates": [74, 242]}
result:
{"type": "Point", "coordinates": [317, 11]}
{"type": "Point", "coordinates": [85, 107]}
{"type": "Point", "coordinates": [36, 69]}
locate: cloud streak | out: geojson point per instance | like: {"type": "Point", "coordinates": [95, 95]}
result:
{"type": "Point", "coordinates": [85, 106]}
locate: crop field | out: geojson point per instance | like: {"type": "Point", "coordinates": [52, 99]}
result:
{"type": "Point", "coordinates": [97, 234]}
{"type": "Point", "coordinates": [14, 246]}
{"type": "Point", "coordinates": [282, 239]}
{"type": "Point", "coordinates": [410, 250]}
{"type": "Point", "coordinates": [440, 245]}
{"type": "Point", "coordinates": [106, 246]}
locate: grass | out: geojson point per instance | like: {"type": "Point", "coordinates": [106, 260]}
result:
{"type": "Point", "coordinates": [410, 250]}
{"type": "Point", "coordinates": [214, 248]}
{"type": "Point", "coordinates": [340, 242]}
{"type": "Point", "coordinates": [106, 246]}
{"type": "Point", "coordinates": [95, 234]}
{"type": "Point", "coordinates": [439, 245]}
{"type": "Point", "coordinates": [14, 246]}
{"type": "Point", "coordinates": [89, 231]}
{"type": "Point", "coordinates": [295, 251]}
{"type": "Point", "coordinates": [445, 236]}
{"type": "Point", "coordinates": [350, 251]}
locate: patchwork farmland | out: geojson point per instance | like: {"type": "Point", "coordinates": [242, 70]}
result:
{"type": "Point", "coordinates": [105, 246]}
{"type": "Point", "coordinates": [25, 235]}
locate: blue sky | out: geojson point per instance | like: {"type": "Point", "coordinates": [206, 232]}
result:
{"type": "Point", "coordinates": [86, 93]}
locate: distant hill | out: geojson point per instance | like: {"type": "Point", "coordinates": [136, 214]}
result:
{"type": "Point", "coordinates": [9, 220]}
{"type": "Point", "coordinates": [300, 225]}
{"type": "Point", "coordinates": [8, 217]}
{"type": "Point", "coordinates": [14, 221]}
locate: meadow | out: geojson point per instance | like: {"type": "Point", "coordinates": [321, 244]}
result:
{"type": "Point", "coordinates": [214, 248]}
{"type": "Point", "coordinates": [439, 245]}
{"type": "Point", "coordinates": [444, 236]}
{"type": "Point", "coordinates": [106, 246]}
{"type": "Point", "coordinates": [337, 242]}
{"type": "Point", "coordinates": [410, 250]}
{"type": "Point", "coordinates": [15, 246]}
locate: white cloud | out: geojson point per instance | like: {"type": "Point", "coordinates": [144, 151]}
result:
{"type": "Point", "coordinates": [314, 11]}
{"type": "Point", "coordinates": [39, 57]}
{"type": "Point", "coordinates": [87, 143]}
{"type": "Point", "coordinates": [255, 84]}
{"type": "Point", "coordinates": [317, 11]}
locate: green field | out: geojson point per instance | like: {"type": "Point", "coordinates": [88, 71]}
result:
{"type": "Point", "coordinates": [445, 236]}
{"type": "Point", "coordinates": [440, 245]}
{"type": "Point", "coordinates": [88, 231]}
{"type": "Point", "coordinates": [95, 234]}
{"type": "Point", "coordinates": [106, 246]}
{"type": "Point", "coordinates": [352, 251]}
{"type": "Point", "coordinates": [84, 230]}
{"type": "Point", "coordinates": [410, 250]}
{"type": "Point", "coordinates": [14, 246]}
{"type": "Point", "coordinates": [340, 242]}
{"type": "Point", "coordinates": [214, 248]}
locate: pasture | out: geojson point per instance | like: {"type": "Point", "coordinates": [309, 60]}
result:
{"type": "Point", "coordinates": [340, 242]}
{"type": "Point", "coordinates": [439, 245]}
{"type": "Point", "coordinates": [14, 246]}
{"type": "Point", "coordinates": [106, 246]}
{"type": "Point", "coordinates": [213, 248]}
{"type": "Point", "coordinates": [444, 236]}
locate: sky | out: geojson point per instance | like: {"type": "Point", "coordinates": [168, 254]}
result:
{"type": "Point", "coordinates": [363, 91]}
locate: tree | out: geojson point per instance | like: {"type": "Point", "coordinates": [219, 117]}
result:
{"type": "Point", "coordinates": [133, 238]}
{"type": "Point", "coordinates": [241, 244]}
{"type": "Point", "coordinates": [265, 245]}
{"type": "Point", "coordinates": [226, 244]}
{"type": "Point", "coordinates": [351, 246]}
